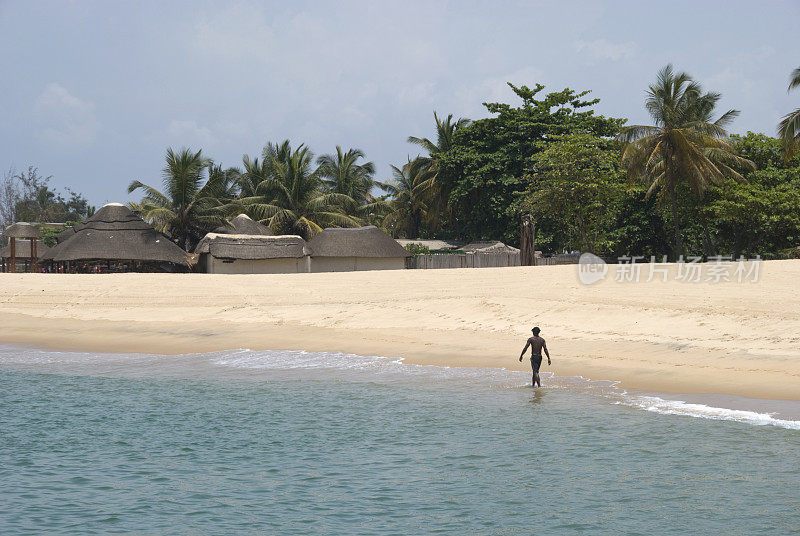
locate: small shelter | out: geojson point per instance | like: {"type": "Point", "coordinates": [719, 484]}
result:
{"type": "Point", "coordinates": [489, 247]}
{"type": "Point", "coordinates": [23, 252]}
{"type": "Point", "coordinates": [354, 249]}
{"type": "Point", "coordinates": [244, 225]}
{"type": "Point", "coordinates": [22, 230]}
{"type": "Point", "coordinates": [115, 234]}
{"type": "Point", "coordinates": [433, 245]}
{"type": "Point", "coordinates": [253, 254]}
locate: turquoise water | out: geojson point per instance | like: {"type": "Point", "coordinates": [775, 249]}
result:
{"type": "Point", "coordinates": [294, 443]}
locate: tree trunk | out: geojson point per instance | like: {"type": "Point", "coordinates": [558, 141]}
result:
{"type": "Point", "coordinates": [527, 244]}
{"type": "Point", "coordinates": [13, 255]}
{"type": "Point", "coordinates": [676, 224]}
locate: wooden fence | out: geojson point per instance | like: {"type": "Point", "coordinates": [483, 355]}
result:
{"type": "Point", "coordinates": [557, 260]}
{"type": "Point", "coordinates": [483, 260]}
{"type": "Point", "coordinates": [462, 260]}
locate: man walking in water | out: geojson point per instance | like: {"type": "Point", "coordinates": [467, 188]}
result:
{"type": "Point", "coordinates": [537, 344]}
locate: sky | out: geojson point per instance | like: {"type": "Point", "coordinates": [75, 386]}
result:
{"type": "Point", "coordinates": [93, 93]}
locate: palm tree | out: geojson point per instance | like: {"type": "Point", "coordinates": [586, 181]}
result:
{"type": "Point", "coordinates": [445, 132]}
{"type": "Point", "coordinates": [789, 128]}
{"type": "Point", "coordinates": [256, 172]}
{"type": "Point", "coordinates": [189, 207]}
{"type": "Point", "coordinates": [291, 199]}
{"type": "Point", "coordinates": [410, 194]}
{"type": "Point", "coordinates": [684, 146]}
{"type": "Point", "coordinates": [343, 174]}
{"type": "Point", "coordinates": [428, 166]}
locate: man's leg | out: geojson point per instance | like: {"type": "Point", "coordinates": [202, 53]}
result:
{"type": "Point", "coordinates": [536, 379]}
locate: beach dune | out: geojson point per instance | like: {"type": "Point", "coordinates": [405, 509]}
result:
{"type": "Point", "coordinates": [675, 337]}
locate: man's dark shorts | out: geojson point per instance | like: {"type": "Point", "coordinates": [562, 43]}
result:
{"type": "Point", "coordinates": [536, 362]}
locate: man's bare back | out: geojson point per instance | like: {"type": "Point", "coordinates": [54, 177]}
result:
{"type": "Point", "coordinates": [537, 344]}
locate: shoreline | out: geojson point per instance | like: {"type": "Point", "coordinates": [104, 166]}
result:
{"type": "Point", "coordinates": [753, 411]}
{"type": "Point", "coordinates": [452, 318]}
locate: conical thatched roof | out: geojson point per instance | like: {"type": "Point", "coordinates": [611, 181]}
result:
{"type": "Point", "coordinates": [115, 233]}
{"type": "Point", "coordinates": [356, 242]}
{"type": "Point", "coordinates": [489, 247]}
{"type": "Point", "coordinates": [22, 229]}
{"type": "Point", "coordinates": [22, 249]}
{"type": "Point", "coordinates": [244, 225]}
{"type": "Point", "coordinates": [252, 247]}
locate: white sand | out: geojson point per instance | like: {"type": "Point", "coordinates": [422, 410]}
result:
{"type": "Point", "coordinates": [732, 338]}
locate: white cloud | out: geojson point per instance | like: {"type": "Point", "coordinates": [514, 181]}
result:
{"type": "Point", "coordinates": [605, 50]}
{"type": "Point", "coordinates": [64, 118]}
{"type": "Point", "coordinates": [187, 133]}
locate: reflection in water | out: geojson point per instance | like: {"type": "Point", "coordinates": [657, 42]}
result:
{"type": "Point", "coordinates": [538, 395]}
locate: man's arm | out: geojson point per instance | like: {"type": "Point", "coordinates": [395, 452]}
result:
{"type": "Point", "coordinates": [544, 347]}
{"type": "Point", "coordinates": [523, 350]}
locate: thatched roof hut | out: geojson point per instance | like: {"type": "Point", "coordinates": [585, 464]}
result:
{"type": "Point", "coordinates": [433, 245]}
{"type": "Point", "coordinates": [360, 248]}
{"type": "Point", "coordinates": [252, 247]}
{"type": "Point", "coordinates": [356, 242]}
{"type": "Point", "coordinates": [252, 254]}
{"type": "Point", "coordinates": [115, 233]}
{"type": "Point", "coordinates": [63, 235]}
{"type": "Point", "coordinates": [23, 249]}
{"type": "Point", "coordinates": [489, 247]}
{"type": "Point", "coordinates": [22, 229]}
{"type": "Point", "coordinates": [244, 225]}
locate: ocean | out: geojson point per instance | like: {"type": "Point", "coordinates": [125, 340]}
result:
{"type": "Point", "coordinates": [246, 442]}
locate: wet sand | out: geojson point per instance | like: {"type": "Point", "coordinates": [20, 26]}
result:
{"type": "Point", "coordinates": [705, 338]}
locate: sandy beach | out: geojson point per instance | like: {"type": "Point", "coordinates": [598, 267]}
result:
{"type": "Point", "coordinates": [674, 337]}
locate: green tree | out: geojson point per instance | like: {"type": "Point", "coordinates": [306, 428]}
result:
{"type": "Point", "coordinates": [292, 200]}
{"type": "Point", "coordinates": [762, 216]}
{"type": "Point", "coordinates": [428, 164]}
{"type": "Point", "coordinates": [575, 186]}
{"type": "Point", "coordinates": [189, 206]}
{"type": "Point", "coordinates": [255, 171]}
{"type": "Point", "coordinates": [409, 194]}
{"type": "Point", "coordinates": [484, 168]}
{"type": "Point", "coordinates": [27, 196]}
{"type": "Point", "coordinates": [684, 148]}
{"type": "Point", "coordinates": [343, 174]}
{"type": "Point", "coordinates": [789, 127]}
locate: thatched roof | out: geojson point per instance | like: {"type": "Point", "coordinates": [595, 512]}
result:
{"type": "Point", "coordinates": [252, 247]}
{"type": "Point", "coordinates": [244, 225]}
{"type": "Point", "coordinates": [22, 249]}
{"type": "Point", "coordinates": [115, 233]}
{"type": "Point", "coordinates": [63, 235]}
{"type": "Point", "coordinates": [489, 247]}
{"type": "Point", "coordinates": [431, 244]}
{"type": "Point", "coordinates": [356, 242]}
{"type": "Point", "coordinates": [22, 229]}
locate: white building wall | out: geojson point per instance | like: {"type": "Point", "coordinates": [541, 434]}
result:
{"type": "Point", "coordinates": [259, 266]}
{"type": "Point", "coordinates": [354, 264]}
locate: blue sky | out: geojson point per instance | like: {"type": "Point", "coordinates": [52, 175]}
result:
{"type": "Point", "coordinates": [94, 92]}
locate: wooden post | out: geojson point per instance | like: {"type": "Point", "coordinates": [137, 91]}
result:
{"type": "Point", "coordinates": [34, 257]}
{"type": "Point", "coordinates": [527, 246]}
{"type": "Point", "coordinates": [13, 255]}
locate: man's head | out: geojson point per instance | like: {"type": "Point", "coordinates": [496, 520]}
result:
{"type": "Point", "coordinates": [536, 331]}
